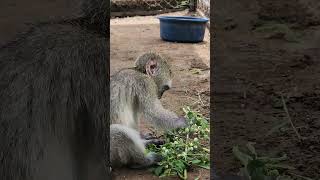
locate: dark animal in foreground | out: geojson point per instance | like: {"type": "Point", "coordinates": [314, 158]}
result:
{"type": "Point", "coordinates": [54, 99]}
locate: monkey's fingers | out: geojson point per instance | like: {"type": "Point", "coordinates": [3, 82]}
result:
{"type": "Point", "coordinates": [148, 136]}
{"type": "Point", "coordinates": [157, 142]}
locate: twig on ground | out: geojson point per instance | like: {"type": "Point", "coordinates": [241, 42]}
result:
{"type": "Point", "coordinates": [289, 118]}
{"type": "Point", "coordinates": [199, 97]}
{"type": "Point", "coordinates": [302, 177]}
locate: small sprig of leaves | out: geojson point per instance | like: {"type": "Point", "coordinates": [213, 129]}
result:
{"type": "Point", "coordinates": [184, 148]}
{"type": "Point", "coordinates": [277, 30]}
{"type": "Point", "coordinates": [261, 168]}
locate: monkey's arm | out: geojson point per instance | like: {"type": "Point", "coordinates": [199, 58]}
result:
{"type": "Point", "coordinates": [153, 110]}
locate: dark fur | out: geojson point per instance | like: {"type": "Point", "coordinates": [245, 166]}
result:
{"type": "Point", "coordinates": [54, 121]}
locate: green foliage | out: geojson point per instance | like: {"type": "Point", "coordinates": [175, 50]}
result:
{"type": "Point", "coordinates": [184, 147]}
{"type": "Point", "coordinates": [277, 30]}
{"type": "Point", "coordinates": [261, 168]}
{"type": "Point", "coordinates": [182, 3]}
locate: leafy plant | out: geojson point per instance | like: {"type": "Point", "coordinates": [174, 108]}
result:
{"type": "Point", "coordinates": [183, 3]}
{"type": "Point", "coordinates": [261, 168]}
{"type": "Point", "coordinates": [278, 30]}
{"type": "Point", "coordinates": [184, 147]}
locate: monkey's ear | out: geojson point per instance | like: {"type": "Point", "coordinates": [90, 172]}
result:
{"type": "Point", "coordinates": [151, 67]}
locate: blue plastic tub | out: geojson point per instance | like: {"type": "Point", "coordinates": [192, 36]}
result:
{"type": "Point", "coordinates": [182, 28]}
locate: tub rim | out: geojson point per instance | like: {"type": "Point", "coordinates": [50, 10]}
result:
{"type": "Point", "coordinates": [183, 18]}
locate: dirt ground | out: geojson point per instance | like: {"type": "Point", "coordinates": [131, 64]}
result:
{"type": "Point", "coordinates": [16, 18]}
{"type": "Point", "coordinates": [133, 36]}
{"type": "Point", "coordinates": [251, 73]}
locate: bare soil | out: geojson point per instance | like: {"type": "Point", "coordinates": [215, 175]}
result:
{"type": "Point", "coordinates": [252, 72]}
{"type": "Point", "coordinates": [18, 16]}
{"type": "Point", "coordinates": [130, 37]}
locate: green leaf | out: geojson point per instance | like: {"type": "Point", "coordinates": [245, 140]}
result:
{"type": "Point", "coordinates": [204, 166]}
{"type": "Point", "coordinates": [184, 175]}
{"type": "Point", "coordinates": [244, 172]}
{"type": "Point", "coordinates": [195, 71]}
{"type": "Point", "coordinates": [274, 173]}
{"type": "Point", "coordinates": [158, 171]}
{"type": "Point", "coordinates": [196, 161]}
{"type": "Point", "coordinates": [242, 157]}
{"type": "Point", "coordinates": [197, 178]}
{"type": "Point", "coordinates": [167, 172]}
{"type": "Point", "coordinates": [256, 169]}
{"type": "Point", "coordinates": [251, 148]}
{"type": "Point", "coordinates": [180, 165]}
{"type": "Point", "coordinates": [277, 128]}
{"type": "Point", "coordinates": [273, 160]}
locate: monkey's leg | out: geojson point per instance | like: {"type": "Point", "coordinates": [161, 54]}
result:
{"type": "Point", "coordinates": [127, 145]}
{"type": "Point", "coordinates": [141, 160]}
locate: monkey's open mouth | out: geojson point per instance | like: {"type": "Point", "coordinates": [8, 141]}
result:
{"type": "Point", "coordinates": [160, 94]}
{"type": "Point", "coordinates": [165, 88]}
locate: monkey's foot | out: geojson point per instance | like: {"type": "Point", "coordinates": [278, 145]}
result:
{"type": "Point", "coordinates": [156, 157]}
{"type": "Point", "coordinates": [157, 142]}
{"type": "Point", "coordinates": [150, 160]}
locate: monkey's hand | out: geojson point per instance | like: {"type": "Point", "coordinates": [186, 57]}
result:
{"type": "Point", "coordinates": [180, 122]}
{"type": "Point", "coordinates": [148, 136]}
{"type": "Point", "coordinates": [157, 142]}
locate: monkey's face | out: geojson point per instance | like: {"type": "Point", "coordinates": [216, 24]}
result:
{"type": "Point", "coordinates": [158, 69]}
{"type": "Point", "coordinates": [163, 79]}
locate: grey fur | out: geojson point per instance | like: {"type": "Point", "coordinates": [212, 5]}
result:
{"type": "Point", "coordinates": [128, 149]}
{"type": "Point", "coordinates": [54, 99]}
{"type": "Point", "coordinates": [134, 94]}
